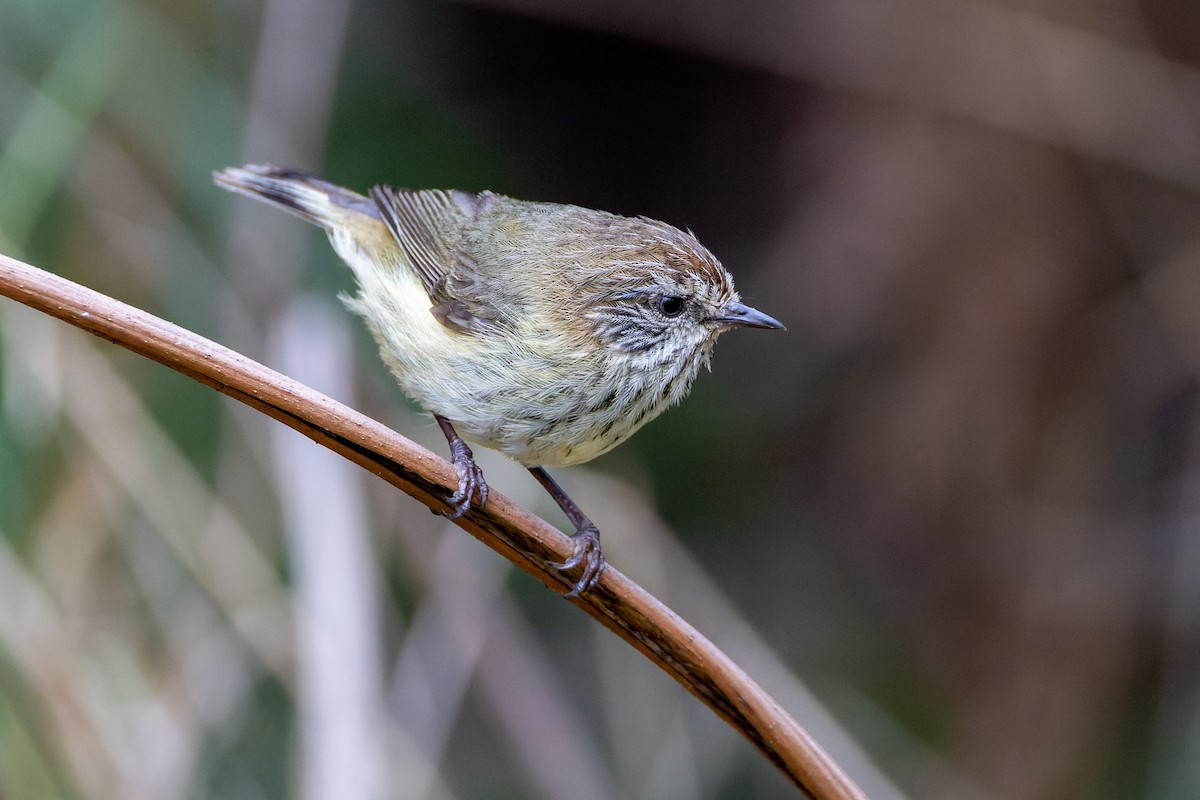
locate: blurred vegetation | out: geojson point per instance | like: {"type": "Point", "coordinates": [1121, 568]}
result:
{"type": "Point", "coordinates": [955, 500]}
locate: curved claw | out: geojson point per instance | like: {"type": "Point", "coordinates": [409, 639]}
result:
{"type": "Point", "coordinates": [472, 488]}
{"type": "Point", "coordinates": [588, 553]}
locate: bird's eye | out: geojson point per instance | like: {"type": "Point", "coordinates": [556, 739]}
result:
{"type": "Point", "coordinates": [671, 305]}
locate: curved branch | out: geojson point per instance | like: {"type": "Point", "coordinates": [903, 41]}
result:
{"type": "Point", "coordinates": [526, 540]}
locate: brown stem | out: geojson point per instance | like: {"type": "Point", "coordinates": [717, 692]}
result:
{"type": "Point", "coordinates": [527, 541]}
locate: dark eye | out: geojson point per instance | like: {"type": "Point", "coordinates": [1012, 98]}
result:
{"type": "Point", "coordinates": [671, 305]}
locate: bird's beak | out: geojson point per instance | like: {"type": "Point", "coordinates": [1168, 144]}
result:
{"type": "Point", "coordinates": [743, 316]}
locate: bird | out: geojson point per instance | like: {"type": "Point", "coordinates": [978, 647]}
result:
{"type": "Point", "coordinates": [546, 331]}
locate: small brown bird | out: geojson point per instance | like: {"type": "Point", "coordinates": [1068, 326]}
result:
{"type": "Point", "coordinates": [548, 332]}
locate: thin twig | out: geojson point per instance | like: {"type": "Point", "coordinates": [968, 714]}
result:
{"type": "Point", "coordinates": [527, 541]}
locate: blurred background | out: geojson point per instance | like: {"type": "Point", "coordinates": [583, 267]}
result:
{"type": "Point", "coordinates": [950, 518]}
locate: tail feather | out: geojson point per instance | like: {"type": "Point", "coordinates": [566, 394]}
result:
{"type": "Point", "coordinates": [316, 201]}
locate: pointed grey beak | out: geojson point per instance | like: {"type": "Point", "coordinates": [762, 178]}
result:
{"type": "Point", "coordinates": [743, 316]}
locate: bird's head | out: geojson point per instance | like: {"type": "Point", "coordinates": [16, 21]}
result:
{"type": "Point", "coordinates": [662, 296]}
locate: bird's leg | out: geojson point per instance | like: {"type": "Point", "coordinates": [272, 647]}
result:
{"type": "Point", "coordinates": [587, 536]}
{"type": "Point", "coordinates": [471, 485]}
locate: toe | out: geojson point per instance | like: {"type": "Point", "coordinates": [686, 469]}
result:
{"type": "Point", "coordinates": [472, 490]}
{"type": "Point", "coordinates": [586, 552]}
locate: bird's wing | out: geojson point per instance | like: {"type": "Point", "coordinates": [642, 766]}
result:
{"type": "Point", "coordinates": [421, 223]}
{"type": "Point", "coordinates": [426, 225]}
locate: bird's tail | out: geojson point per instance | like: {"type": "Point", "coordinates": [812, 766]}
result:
{"type": "Point", "coordinates": [322, 203]}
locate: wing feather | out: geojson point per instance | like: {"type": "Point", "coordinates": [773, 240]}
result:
{"type": "Point", "coordinates": [418, 221]}
{"type": "Point", "coordinates": [427, 225]}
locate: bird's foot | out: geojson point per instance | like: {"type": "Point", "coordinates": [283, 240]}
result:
{"type": "Point", "coordinates": [472, 488]}
{"type": "Point", "coordinates": [587, 553]}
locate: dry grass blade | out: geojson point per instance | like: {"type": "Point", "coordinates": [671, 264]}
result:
{"type": "Point", "coordinates": [523, 538]}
